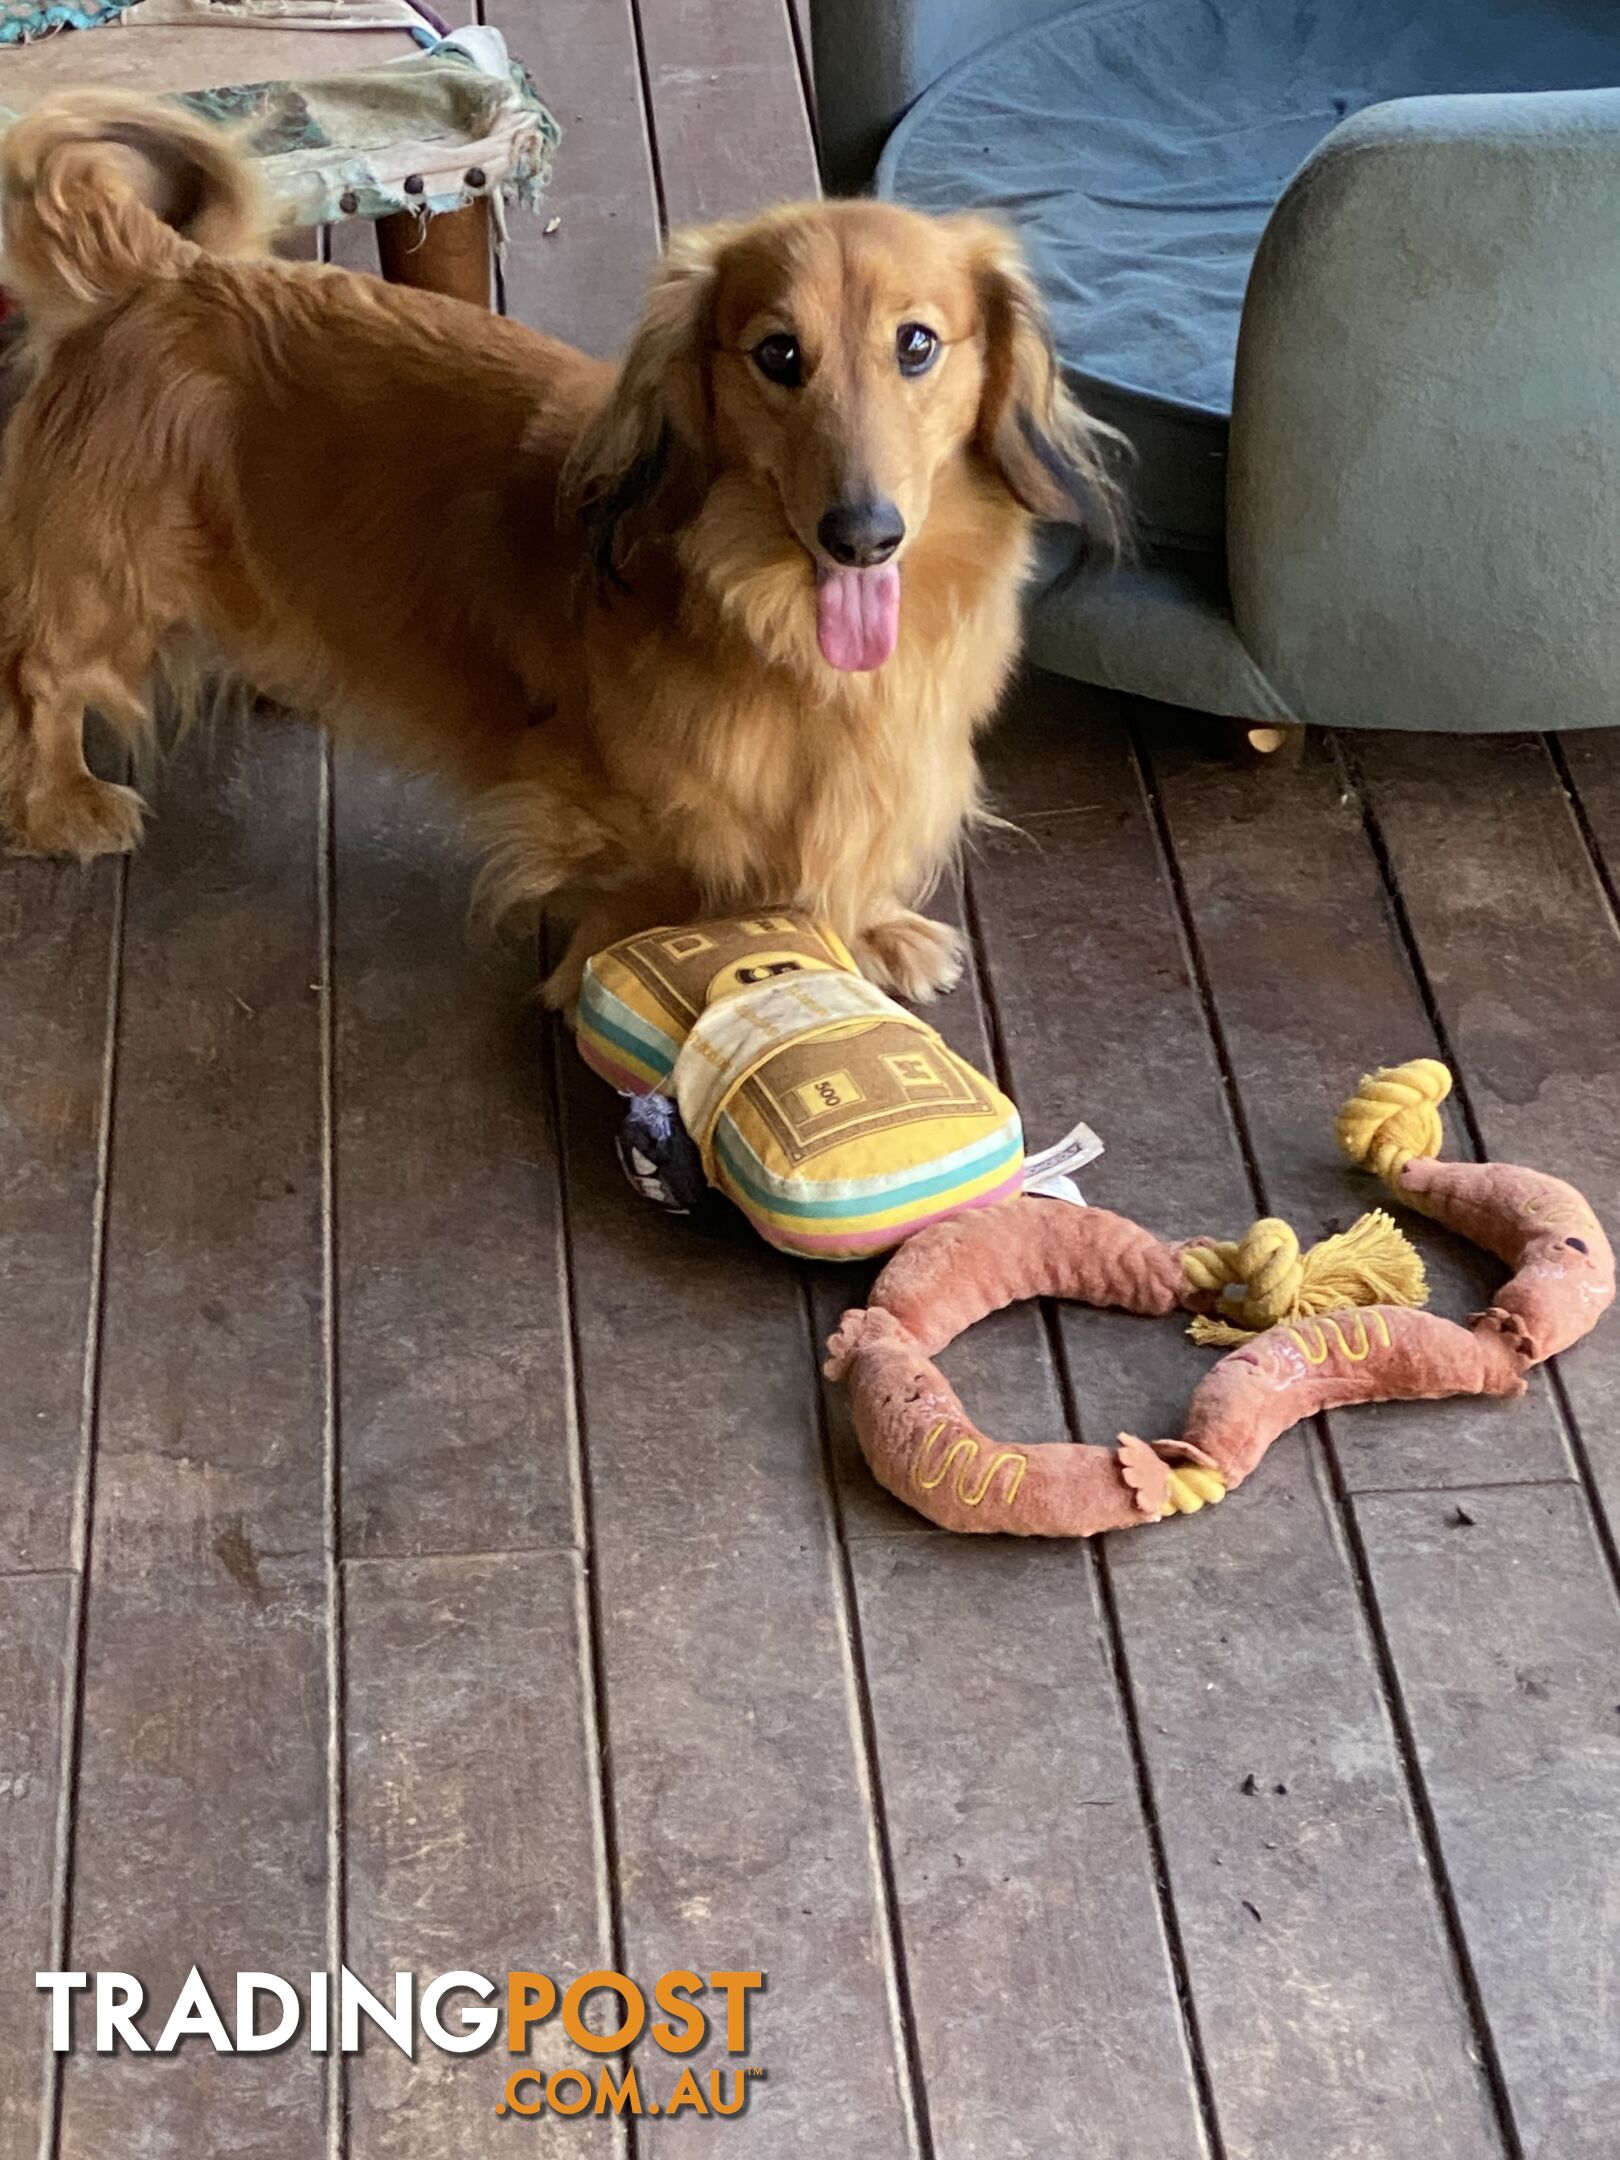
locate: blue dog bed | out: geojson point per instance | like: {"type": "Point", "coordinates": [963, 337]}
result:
{"type": "Point", "coordinates": [1140, 145]}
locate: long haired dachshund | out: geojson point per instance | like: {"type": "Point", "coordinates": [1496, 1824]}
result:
{"type": "Point", "coordinates": [713, 628]}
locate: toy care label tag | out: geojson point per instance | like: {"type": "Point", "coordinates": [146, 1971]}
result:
{"type": "Point", "coordinates": [1048, 1175]}
{"type": "Point", "coordinates": [1057, 1188]}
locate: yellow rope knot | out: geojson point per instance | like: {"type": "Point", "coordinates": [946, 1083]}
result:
{"type": "Point", "coordinates": [1394, 1115]}
{"type": "Point", "coordinates": [1265, 1279]}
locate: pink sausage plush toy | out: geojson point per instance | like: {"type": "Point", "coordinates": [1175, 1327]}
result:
{"type": "Point", "coordinates": [923, 1446]}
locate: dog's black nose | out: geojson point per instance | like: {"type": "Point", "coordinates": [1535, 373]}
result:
{"type": "Point", "coordinates": [862, 534]}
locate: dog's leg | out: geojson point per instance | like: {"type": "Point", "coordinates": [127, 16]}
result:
{"type": "Point", "coordinates": [601, 919]}
{"type": "Point", "coordinates": [538, 843]}
{"type": "Point", "coordinates": [907, 954]}
{"type": "Point", "coordinates": [15, 766]}
{"type": "Point", "coordinates": [537, 838]}
{"type": "Point", "coordinates": [53, 802]}
{"type": "Point", "coordinates": [545, 844]}
{"type": "Point", "coordinates": [594, 930]}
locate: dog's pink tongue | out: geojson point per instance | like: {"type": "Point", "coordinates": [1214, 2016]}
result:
{"type": "Point", "coordinates": [858, 616]}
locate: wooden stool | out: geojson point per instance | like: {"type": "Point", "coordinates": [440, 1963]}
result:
{"type": "Point", "coordinates": [450, 253]}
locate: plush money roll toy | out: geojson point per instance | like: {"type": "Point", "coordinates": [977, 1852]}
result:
{"type": "Point", "coordinates": [761, 1063]}
{"type": "Point", "coordinates": [1308, 1331]}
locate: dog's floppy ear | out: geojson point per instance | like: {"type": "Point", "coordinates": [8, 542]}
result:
{"type": "Point", "coordinates": [657, 413]}
{"type": "Point", "coordinates": [1053, 457]}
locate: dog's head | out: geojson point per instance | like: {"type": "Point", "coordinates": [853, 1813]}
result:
{"type": "Point", "coordinates": [822, 369]}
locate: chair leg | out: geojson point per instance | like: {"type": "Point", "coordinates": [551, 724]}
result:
{"type": "Point", "coordinates": [1267, 742]}
{"type": "Point", "coordinates": [446, 254]}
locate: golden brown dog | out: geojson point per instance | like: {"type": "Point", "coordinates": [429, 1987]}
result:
{"type": "Point", "coordinates": [712, 629]}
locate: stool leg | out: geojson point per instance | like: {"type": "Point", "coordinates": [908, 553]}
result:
{"type": "Point", "coordinates": [446, 254]}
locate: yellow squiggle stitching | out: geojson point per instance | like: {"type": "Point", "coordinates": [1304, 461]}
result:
{"type": "Point", "coordinates": [1318, 1356]}
{"type": "Point", "coordinates": [928, 1483]}
{"type": "Point", "coordinates": [962, 1447]}
{"type": "Point", "coordinates": [964, 1451]}
{"type": "Point", "coordinates": [1318, 1329]}
{"type": "Point", "coordinates": [1011, 1461]}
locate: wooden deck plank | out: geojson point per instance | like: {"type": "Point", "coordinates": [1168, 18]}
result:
{"type": "Point", "coordinates": [201, 1839]}
{"type": "Point", "coordinates": [1044, 1996]}
{"type": "Point", "coordinates": [454, 1357]}
{"type": "Point", "coordinates": [201, 1831]}
{"type": "Point", "coordinates": [450, 1313]}
{"type": "Point", "coordinates": [1243, 1632]}
{"type": "Point", "coordinates": [673, 1313]}
{"type": "Point", "coordinates": [212, 1404]}
{"type": "Point", "coordinates": [1101, 1018]}
{"type": "Point", "coordinates": [1507, 1641]}
{"type": "Point", "coordinates": [758, 1852]}
{"type": "Point", "coordinates": [1518, 943]}
{"type": "Point", "coordinates": [1008, 1786]}
{"type": "Point", "coordinates": [1313, 988]}
{"type": "Point", "coordinates": [743, 1836]}
{"type": "Point", "coordinates": [728, 108]}
{"type": "Point", "coordinates": [1006, 1359]}
{"type": "Point", "coordinates": [472, 1827]}
{"type": "Point", "coordinates": [37, 1615]}
{"type": "Point", "coordinates": [737, 1771]}
{"type": "Point", "coordinates": [584, 280]}
{"type": "Point", "coordinates": [58, 934]}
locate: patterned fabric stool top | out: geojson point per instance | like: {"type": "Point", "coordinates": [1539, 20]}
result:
{"type": "Point", "coordinates": [23, 20]}
{"type": "Point", "coordinates": [428, 133]}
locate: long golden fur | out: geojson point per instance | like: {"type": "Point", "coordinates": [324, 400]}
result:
{"type": "Point", "coordinates": [584, 594]}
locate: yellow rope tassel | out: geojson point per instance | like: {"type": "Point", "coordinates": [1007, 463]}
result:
{"type": "Point", "coordinates": [1191, 1488]}
{"type": "Point", "coordinates": [1265, 1279]}
{"type": "Point", "coordinates": [1395, 1115]}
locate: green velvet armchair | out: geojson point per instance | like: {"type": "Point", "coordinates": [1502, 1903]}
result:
{"type": "Point", "coordinates": [1369, 357]}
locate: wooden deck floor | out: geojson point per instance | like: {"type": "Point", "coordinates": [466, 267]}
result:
{"type": "Point", "coordinates": [415, 1551]}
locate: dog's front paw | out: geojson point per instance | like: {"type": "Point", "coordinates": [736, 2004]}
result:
{"type": "Point", "coordinates": [915, 958]}
{"type": "Point", "coordinates": [87, 818]}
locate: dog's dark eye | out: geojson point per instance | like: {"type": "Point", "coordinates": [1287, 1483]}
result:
{"type": "Point", "coordinates": [916, 348]}
{"type": "Point", "coordinates": [778, 359]}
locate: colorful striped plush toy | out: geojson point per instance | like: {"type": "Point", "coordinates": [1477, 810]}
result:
{"type": "Point", "coordinates": [835, 1119]}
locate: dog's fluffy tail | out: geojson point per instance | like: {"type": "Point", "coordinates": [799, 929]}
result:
{"type": "Point", "coordinates": [102, 192]}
